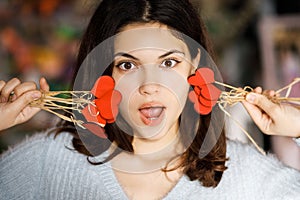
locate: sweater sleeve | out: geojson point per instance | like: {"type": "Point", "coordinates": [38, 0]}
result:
{"type": "Point", "coordinates": [47, 167]}
{"type": "Point", "coordinates": [266, 175]}
{"type": "Point", "coordinates": [20, 168]}
{"type": "Point", "coordinates": [278, 180]}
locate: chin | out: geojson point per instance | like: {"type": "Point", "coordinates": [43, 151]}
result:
{"type": "Point", "coordinates": [151, 133]}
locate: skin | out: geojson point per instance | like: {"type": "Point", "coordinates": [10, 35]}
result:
{"type": "Point", "coordinates": [154, 145]}
{"type": "Point", "coordinates": [167, 52]}
{"type": "Point", "coordinates": [15, 108]}
{"type": "Point", "coordinates": [272, 118]}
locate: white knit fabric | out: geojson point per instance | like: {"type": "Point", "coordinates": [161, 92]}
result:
{"type": "Point", "coordinates": [297, 140]}
{"type": "Point", "coordinates": [43, 168]}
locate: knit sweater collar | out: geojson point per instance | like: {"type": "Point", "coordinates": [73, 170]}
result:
{"type": "Point", "coordinates": [183, 186]}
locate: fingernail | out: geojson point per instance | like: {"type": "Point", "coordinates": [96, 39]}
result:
{"type": "Point", "coordinates": [251, 98]}
{"type": "Point", "coordinates": [36, 95]}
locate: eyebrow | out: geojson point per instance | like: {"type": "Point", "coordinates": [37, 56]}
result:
{"type": "Point", "coordinates": [162, 56]}
{"type": "Point", "coordinates": [171, 52]}
{"type": "Point", "coordinates": [125, 55]}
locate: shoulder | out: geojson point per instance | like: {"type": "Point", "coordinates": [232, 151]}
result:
{"type": "Point", "coordinates": [247, 155]}
{"type": "Point", "coordinates": [47, 167]}
{"type": "Point", "coordinates": [43, 150]}
{"type": "Point", "coordinates": [237, 151]}
{"type": "Point", "coordinates": [23, 165]}
{"type": "Point", "coordinates": [264, 173]}
{"type": "Point", "coordinates": [37, 144]}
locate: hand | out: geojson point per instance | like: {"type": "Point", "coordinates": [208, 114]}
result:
{"type": "Point", "coordinates": [272, 118]}
{"type": "Point", "coordinates": [14, 101]}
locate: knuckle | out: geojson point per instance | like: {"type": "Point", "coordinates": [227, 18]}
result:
{"type": "Point", "coordinates": [16, 80]}
{"type": "Point", "coordinates": [17, 92]}
{"type": "Point", "coordinates": [259, 100]}
{"type": "Point", "coordinates": [263, 101]}
{"type": "Point", "coordinates": [28, 98]}
{"type": "Point", "coordinates": [266, 92]}
{"type": "Point", "coordinates": [26, 86]}
{"type": "Point", "coordinates": [258, 90]}
{"type": "Point", "coordinates": [30, 85]}
{"type": "Point", "coordinates": [9, 86]}
{"type": "Point", "coordinates": [5, 92]}
{"type": "Point", "coordinates": [33, 84]}
{"type": "Point", "coordinates": [2, 84]}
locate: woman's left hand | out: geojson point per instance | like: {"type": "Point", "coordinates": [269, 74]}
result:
{"type": "Point", "coordinates": [271, 118]}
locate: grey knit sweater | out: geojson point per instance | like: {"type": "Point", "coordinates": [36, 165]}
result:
{"type": "Point", "coordinates": [43, 168]}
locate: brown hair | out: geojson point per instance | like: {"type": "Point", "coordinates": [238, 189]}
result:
{"type": "Point", "coordinates": [108, 19]}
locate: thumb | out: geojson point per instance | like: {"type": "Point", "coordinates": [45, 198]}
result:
{"type": "Point", "coordinates": [20, 103]}
{"type": "Point", "coordinates": [262, 102]}
{"type": "Point", "coordinates": [44, 85]}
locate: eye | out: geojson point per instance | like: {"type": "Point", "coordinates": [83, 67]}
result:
{"type": "Point", "coordinates": [169, 63]}
{"type": "Point", "coordinates": [126, 66]}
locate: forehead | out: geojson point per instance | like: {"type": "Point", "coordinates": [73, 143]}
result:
{"type": "Point", "coordinates": [152, 36]}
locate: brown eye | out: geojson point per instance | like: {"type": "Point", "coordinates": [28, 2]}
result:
{"type": "Point", "coordinates": [126, 66]}
{"type": "Point", "coordinates": [169, 63]}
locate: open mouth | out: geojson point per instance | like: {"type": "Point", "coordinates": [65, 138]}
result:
{"type": "Point", "coordinates": [152, 115]}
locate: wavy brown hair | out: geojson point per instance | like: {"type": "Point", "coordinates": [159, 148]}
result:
{"type": "Point", "coordinates": [109, 18]}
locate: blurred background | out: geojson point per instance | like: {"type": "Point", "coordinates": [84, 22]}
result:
{"type": "Point", "coordinates": [257, 43]}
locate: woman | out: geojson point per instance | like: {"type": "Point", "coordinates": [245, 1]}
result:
{"type": "Point", "coordinates": [158, 146]}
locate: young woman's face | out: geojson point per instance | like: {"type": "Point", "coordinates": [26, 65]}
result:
{"type": "Point", "coordinates": [151, 67]}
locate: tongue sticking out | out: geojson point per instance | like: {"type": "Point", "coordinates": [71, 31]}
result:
{"type": "Point", "coordinates": [151, 112]}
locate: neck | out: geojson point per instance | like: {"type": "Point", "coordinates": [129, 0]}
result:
{"type": "Point", "coordinates": [150, 154]}
{"type": "Point", "coordinates": [170, 140]}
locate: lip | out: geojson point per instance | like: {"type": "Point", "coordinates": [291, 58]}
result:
{"type": "Point", "coordinates": [152, 121]}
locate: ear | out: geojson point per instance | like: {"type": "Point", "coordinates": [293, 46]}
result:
{"type": "Point", "coordinates": [195, 62]}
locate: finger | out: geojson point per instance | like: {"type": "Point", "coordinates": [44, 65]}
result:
{"type": "Point", "coordinates": [263, 102]}
{"type": "Point", "coordinates": [20, 103]}
{"type": "Point", "coordinates": [24, 87]}
{"type": "Point", "coordinates": [272, 93]}
{"type": "Point", "coordinates": [269, 93]}
{"type": "Point", "coordinates": [258, 90]}
{"type": "Point", "coordinates": [44, 85]}
{"type": "Point", "coordinates": [265, 124]}
{"type": "Point", "coordinates": [240, 89]}
{"type": "Point", "coordinates": [258, 116]}
{"type": "Point", "coordinates": [2, 83]}
{"type": "Point", "coordinates": [27, 113]}
{"type": "Point", "coordinates": [254, 111]}
{"type": "Point", "coordinates": [8, 88]}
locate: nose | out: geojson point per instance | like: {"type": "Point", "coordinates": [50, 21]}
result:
{"type": "Point", "coordinates": [149, 88]}
{"type": "Point", "coordinates": [149, 80]}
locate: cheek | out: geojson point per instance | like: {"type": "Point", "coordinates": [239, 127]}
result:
{"type": "Point", "coordinates": [181, 95]}
{"type": "Point", "coordinates": [176, 104]}
{"type": "Point", "coordinates": [129, 91]}
{"type": "Point", "coordinates": [186, 70]}
{"type": "Point", "coordinates": [116, 75]}
{"type": "Point", "coordinates": [128, 103]}
{"type": "Point", "coordinates": [178, 86]}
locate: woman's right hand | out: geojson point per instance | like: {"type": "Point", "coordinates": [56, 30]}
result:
{"type": "Point", "coordinates": [271, 118]}
{"type": "Point", "coordinates": [15, 97]}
